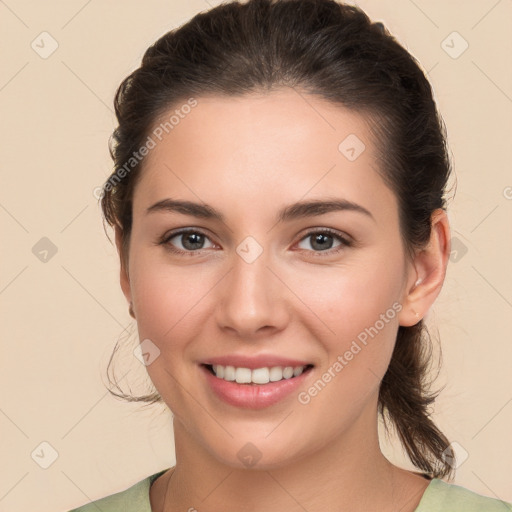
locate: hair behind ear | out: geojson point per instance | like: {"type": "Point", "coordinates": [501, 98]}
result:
{"type": "Point", "coordinates": [403, 399]}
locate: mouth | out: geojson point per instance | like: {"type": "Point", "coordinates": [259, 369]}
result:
{"type": "Point", "coordinates": [255, 381]}
{"type": "Point", "coordinates": [256, 376]}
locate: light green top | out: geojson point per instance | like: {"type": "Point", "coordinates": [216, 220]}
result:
{"type": "Point", "coordinates": [439, 496]}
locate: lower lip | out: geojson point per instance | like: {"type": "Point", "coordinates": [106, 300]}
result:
{"type": "Point", "coordinates": [253, 396]}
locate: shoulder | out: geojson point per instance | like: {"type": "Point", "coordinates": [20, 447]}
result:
{"type": "Point", "coordinates": [133, 499]}
{"type": "Point", "coordinates": [442, 496]}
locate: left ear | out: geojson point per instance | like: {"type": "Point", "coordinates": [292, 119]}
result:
{"type": "Point", "coordinates": [427, 272]}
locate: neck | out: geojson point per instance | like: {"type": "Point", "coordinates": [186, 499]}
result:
{"type": "Point", "coordinates": [350, 472]}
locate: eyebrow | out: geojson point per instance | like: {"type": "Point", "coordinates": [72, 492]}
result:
{"type": "Point", "coordinates": [299, 210]}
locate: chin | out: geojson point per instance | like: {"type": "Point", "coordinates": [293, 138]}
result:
{"type": "Point", "coordinates": [258, 453]}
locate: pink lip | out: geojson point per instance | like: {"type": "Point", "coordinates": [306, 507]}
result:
{"type": "Point", "coordinates": [253, 396]}
{"type": "Point", "coordinates": [260, 361]}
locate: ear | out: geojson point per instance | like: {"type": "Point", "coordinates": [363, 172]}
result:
{"type": "Point", "coordinates": [124, 276]}
{"type": "Point", "coordinates": [427, 272]}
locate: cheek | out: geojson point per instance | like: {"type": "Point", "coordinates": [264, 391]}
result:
{"type": "Point", "coordinates": [169, 304]}
{"type": "Point", "coordinates": [348, 297]}
{"type": "Point", "coordinates": [166, 299]}
{"type": "Point", "coordinates": [359, 326]}
{"type": "Point", "coordinates": [355, 312]}
{"type": "Point", "coordinates": [172, 307]}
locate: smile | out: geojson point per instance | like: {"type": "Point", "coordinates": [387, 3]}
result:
{"type": "Point", "coordinates": [259, 376]}
{"type": "Point", "coordinates": [254, 388]}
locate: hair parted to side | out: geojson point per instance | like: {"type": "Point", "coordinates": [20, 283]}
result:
{"type": "Point", "coordinates": [336, 52]}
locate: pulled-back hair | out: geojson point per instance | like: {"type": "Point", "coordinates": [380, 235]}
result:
{"type": "Point", "coordinates": [336, 52]}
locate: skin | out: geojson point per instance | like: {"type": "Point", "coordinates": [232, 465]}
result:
{"type": "Point", "coordinates": [248, 157]}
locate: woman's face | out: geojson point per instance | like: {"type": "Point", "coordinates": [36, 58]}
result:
{"type": "Point", "coordinates": [259, 276]}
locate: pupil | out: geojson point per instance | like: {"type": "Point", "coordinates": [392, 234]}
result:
{"type": "Point", "coordinates": [192, 240]}
{"type": "Point", "coordinates": [319, 238]}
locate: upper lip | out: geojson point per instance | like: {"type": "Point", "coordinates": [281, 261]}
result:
{"type": "Point", "coordinates": [253, 362]}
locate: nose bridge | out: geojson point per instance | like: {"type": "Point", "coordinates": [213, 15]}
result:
{"type": "Point", "coordinates": [250, 296]}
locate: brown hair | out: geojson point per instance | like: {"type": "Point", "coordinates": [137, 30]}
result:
{"type": "Point", "coordinates": [336, 52]}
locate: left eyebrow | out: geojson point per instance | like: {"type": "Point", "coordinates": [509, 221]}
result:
{"type": "Point", "coordinates": [294, 211]}
{"type": "Point", "coordinates": [319, 207]}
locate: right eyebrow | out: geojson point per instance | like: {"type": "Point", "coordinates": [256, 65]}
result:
{"type": "Point", "coordinates": [203, 211]}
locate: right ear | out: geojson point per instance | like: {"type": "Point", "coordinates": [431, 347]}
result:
{"type": "Point", "coordinates": [124, 275]}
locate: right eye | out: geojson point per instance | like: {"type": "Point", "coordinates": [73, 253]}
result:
{"type": "Point", "coordinates": [191, 240]}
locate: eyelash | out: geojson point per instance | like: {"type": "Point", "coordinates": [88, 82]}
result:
{"type": "Point", "coordinates": [345, 242]}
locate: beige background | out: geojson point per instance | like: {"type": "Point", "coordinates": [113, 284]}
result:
{"type": "Point", "coordinates": [61, 318]}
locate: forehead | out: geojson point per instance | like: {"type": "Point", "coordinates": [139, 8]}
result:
{"type": "Point", "coordinates": [268, 147]}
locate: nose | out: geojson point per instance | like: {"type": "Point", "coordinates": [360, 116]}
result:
{"type": "Point", "coordinates": [252, 300]}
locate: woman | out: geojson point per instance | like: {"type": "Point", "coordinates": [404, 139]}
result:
{"type": "Point", "coordinates": [279, 209]}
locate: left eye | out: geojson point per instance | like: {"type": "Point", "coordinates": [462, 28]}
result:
{"type": "Point", "coordinates": [323, 240]}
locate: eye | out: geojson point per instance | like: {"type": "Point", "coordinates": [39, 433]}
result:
{"type": "Point", "coordinates": [322, 241]}
{"type": "Point", "coordinates": [190, 240]}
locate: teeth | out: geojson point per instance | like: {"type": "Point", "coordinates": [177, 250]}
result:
{"type": "Point", "coordinates": [229, 372]}
{"type": "Point", "coordinates": [275, 373]}
{"type": "Point", "coordinates": [243, 375]}
{"type": "Point", "coordinates": [298, 370]}
{"type": "Point", "coordinates": [258, 375]}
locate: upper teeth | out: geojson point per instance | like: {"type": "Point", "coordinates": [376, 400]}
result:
{"type": "Point", "coordinates": [258, 375]}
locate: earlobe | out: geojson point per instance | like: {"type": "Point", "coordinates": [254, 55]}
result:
{"type": "Point", "coordinates": [429, 271]}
